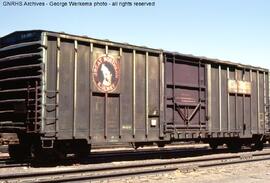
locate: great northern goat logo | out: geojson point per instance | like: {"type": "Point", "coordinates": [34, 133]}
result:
{"type": "Point", "coordinates": [106, 72]}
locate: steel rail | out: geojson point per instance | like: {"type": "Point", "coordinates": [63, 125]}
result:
{"type": "Point", "coordinates": [135, 169]}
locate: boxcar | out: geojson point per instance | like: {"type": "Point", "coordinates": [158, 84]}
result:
{"type": "Point", "coordinates": [65, 93]}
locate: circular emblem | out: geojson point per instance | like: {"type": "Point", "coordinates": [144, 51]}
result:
{"type": "Point", "coordinates": [106, 72]}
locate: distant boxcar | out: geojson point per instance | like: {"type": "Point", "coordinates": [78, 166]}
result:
{"type": "Point", "coordinates": [65, 92]}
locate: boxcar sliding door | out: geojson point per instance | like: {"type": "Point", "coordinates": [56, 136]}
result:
{"type": "Point", "coordinates": [185, 94]}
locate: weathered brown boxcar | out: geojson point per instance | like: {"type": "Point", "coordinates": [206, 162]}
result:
{"type": "Point", "coordinates": [66, 92]}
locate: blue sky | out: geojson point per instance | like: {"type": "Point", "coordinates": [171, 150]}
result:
{"type": "Point", "coordinates": [234, 30]}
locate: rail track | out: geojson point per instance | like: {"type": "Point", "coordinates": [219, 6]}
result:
{"type": "Point", "coordinates": [8, 163]}
{"type": "Point", "coordinates": [99, 172]}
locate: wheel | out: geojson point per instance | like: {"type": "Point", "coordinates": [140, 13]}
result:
{"type": "Point", "coordinates": [136, 145]}
{"type": "Point", "coordinates": [18, 152]}
{"type": "Point", "coordinates": [82, 150]}
{"type": "Point", "coordinates": [36, 151]}
{"type": "Point", "coordinates": [161, 144]}
{"type": "Point", "coordinates": [213, 145]}
{"type": "Point", "coordinates": [29, 148]}
{"type": "Point", "coordinates": [258, 142]}
{"type": "Point", "coordinates": [82, 153]}
{"type": "Point", "coordinates": [258, 146]}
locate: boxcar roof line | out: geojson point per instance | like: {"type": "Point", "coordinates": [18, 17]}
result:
{"type": "Point", "coordinates": [142, 48]}
{"type": "Point", "coordinates": [218, 61]}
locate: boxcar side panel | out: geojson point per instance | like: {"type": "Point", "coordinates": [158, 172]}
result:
{"type": "Point", "coordinates": [140, 96]}
{"type": "Point", "coordinates": [239, 104]}
{"type": "Point", "coordinates": [232, 102]}
{"type": "Point", "coordinates": [262, 102]}
{"type": "Point", "coordinates": [80, 105]}
{"type": "Point", "coordinates": [254, 107]}
{"type": "Point", "coordinates": [239, 100]}
{"type": "Point", "coordinates": [98, 120]}
{"type": "Point", "coordinates": [82, 90]}
{"type": "Point", "coordinates": [113, 105]}
{"type": "Point", "coordinates": [126, 96]}
{"type": "Point", "coordinates": [66, 90]}
{"type": "Point", "coordinates": [237, 95]}
{"type": "Point", "coordinates": [51, 94]}
{"type": "Point", "coordinates": [247, 107]}
{"type": "Point", "coordinates": [153, 110]}
{"type": "Point", "coordinates": [215, 125]}
{"type": "Point", "coordinates": [224, 100]}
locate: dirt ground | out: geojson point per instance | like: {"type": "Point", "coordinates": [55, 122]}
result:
{"type": "Point", "coordinates": [255, 172]}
